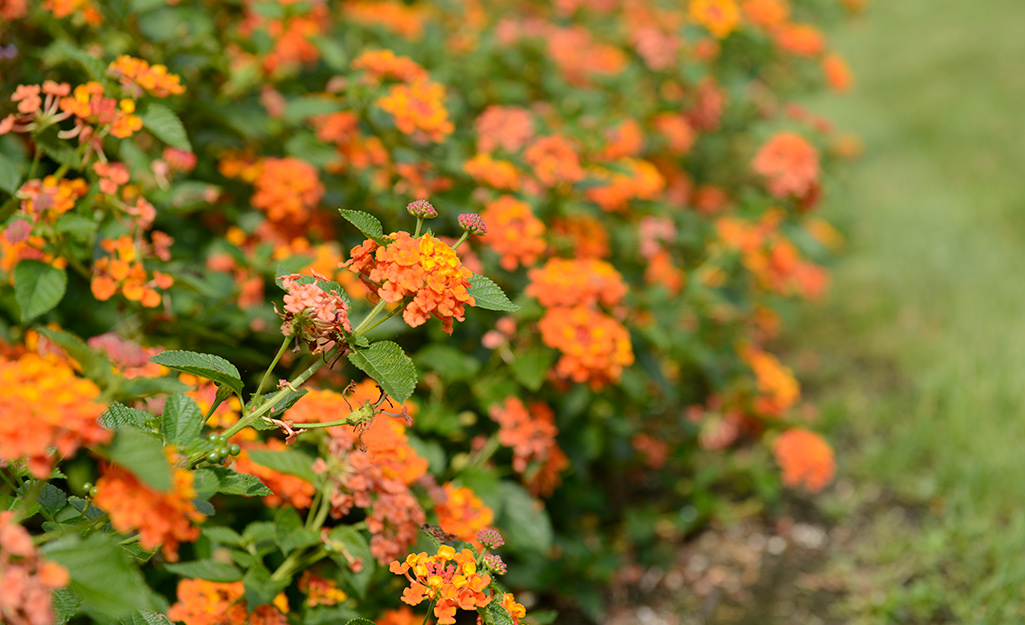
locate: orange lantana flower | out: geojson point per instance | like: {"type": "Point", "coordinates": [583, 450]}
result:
{"type": "Point", "coordinates": [448, 579]}
{"type": "Point", "coordinates": [513, 232]}
{"type": "Point", "coordinates": [805, 458]}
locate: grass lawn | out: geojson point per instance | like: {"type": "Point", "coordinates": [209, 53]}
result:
{"type": "Point", "coordinates": [922, 346]}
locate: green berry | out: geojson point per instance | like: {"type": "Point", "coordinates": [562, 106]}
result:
{"type": "Point", "coordinates": [213, 457]}
{"type": "Point", "coordinates": [223, 452]}
{"type": "Point", "coordinates": [215, 438]}
{"type": "Point", "coordinates": [93, 491]}
{"type": "Point", "coordinates": [234, 449]}
{"type": "Point", "coordinates": [88, 486]}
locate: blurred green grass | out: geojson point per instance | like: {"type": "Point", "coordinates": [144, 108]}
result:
{"type": "Point", "coordinates": [922, 344]}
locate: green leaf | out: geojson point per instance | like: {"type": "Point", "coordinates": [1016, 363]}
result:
{"type": "Point", "coordinates": [389, 366]}
{"type": "Point", "coordinates": [65, 604]}
{"type": "Point", "coordinates": [10, 175]}
{"type": "Point", "coordinates": [118, 416]}
{"type": "Point", "coordinates": [101, 574]}
{"type": "Point", "coordinates": [287, 461]}
{"type": "Point", "coordinates": [51, 500]}
{"type": "Point", "coordinates": [494, 614]}
{"type": "Point", "coordinates": [281, 406]}
{"type": "Point", "coordinates": [140, 387]}
{"type": "Point", "coordinates": [95, 67]}
{"type": "Point", "coordinates": [367, 224]}
{"type": "Point", "coordinates": [142, 453]}
{"type": "Point", "coordinates": [166, 126]}
{"type": "Point", "coordinates": [223, 535]}
{"type": "Point", "coordinates": [58, 150]}
{"type": "Point", "coordinates": [210, 570]}
{"type": "Point", "coordinates": [309, 106]}
{"type": "Point", "coordinates": [38, 287]}
{"type": "Point", "coordinates": [448, 362]}
{"type": "Point", "coordinates": [290, 532]}
{"type": "Point", "coordinates": [531, 368]}
{"type": "Point", "coordinates": [489, 296]}
{"type": "Point", "coordinates": [235, 483]}
{"type": "Point", "coordinates": [77, 226]}
{"type": "Point", "coordinates": [356, 546]}
{"type": "Point", "coordinates": [359, 621]}
{"type": "Point", "coordinates": [260, 588]}
{"type": "Point", "coordinates": [147, 617]}
{"type": "Point", "coordinates": [524, 524]}
{"type": "Point", "coordinates": [333, 53]}
{"type": "Point", "coordinates": [95, 365]}
{"type": "Point", "coordinates": [182, 421]}
{"type": "Point", "coordinates": [206, 366]}
{"type": "Point", "coordinates": [205, 483]}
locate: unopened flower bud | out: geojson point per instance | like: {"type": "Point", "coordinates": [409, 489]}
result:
{"type": "Point", "coordinates": [493, 562]}
{"type": "Point", "coordinates": [490, 538]}
{"type": "Point", "coordinates": [473, 223]}
{"type": "Point", "coordinates": [422, 209]}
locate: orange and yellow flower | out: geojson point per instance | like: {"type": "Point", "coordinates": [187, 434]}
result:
{"type": "Point", "coordinates": [449, 579]}
{"type": "Point", "coordinates": [513, 232]}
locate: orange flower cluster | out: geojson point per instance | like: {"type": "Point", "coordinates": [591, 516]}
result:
{"type": "Point", "coordinates": [385, 64]}
{"type": "Point", "coordinates": [515, 610]}
{"type": "Point", "coordinates": [12, 252]}
{"type": "Point", "coordinates": [371, 470]}
{"type": "Point", "coordinates": [513, 232]}
{"type": "Point", "coordinates": [88, 104]}
{"type": "Point", "coordinates": [425, 268]}
{"type": "Point", "coordinates": [448, 579]}
{"type": "Point", "coordinates": [677, 131]}
{"type": "Point", "coordinates": [122, 270]}
{"type": "Point", "coordinates": [313, 315]}
{"type": "Point", "coordinates": [506, 127]}
{"type": "Point", "coordinates": [64, 8]}
{"type": "Point", "coordinates": [790, 165]}
{"type": "Point", "coordinates": [320, 590]}
{"type": "Point", "coordinates": [495, 173]}
{"type": "Point", "coordinates": [805, 458]}
{"type": "Point", "coordinates": [47, 199]}
{"type": "Point", "coordinates": [136, 76]}
{"type": "Point", "coordinates": [595, 347]}
{"type": "Point", "coordinates": [776, 383]}
{"type": "Point", "coordinates": [838, 74]}
{"type": "Point", "coordinates": [766, 14]}
{"type": "Point", "coordinates": [292, 35]}
{"type": "Point", "coordinates": [287, 189]}
{"type": "Point", "coordinates": [400, 18]}
{"type": "Point", "coordinates": [719, 17]}
{"type": "Point", "coordinates": [587, 236]}
{"type": "Point", "coordinates": [418, 109]}
{"type": "Point", "coordinates": [530, 433]}
{"type": "Point", "coordinates": [48, 412]}
{"type": "Point", "coordinates": [624, 140]}
{"type": "Point", "coordinates": [554, 161]}
{"type": "Point", "coordinates": [579, 56]}
{"type": "Point", "coordinates": [213, 603]}
{"type": "Point", "coordinates": [400, 616]}
{"type": "Point", "coordinates": [643, 182]}
{"type": "Point", "coordinates": [287, 489]}
{"type": "Point", "coordinates": [576, 282]}
{"type": "Point", "coordinates": [160, 518]}
{"type": "Point", "coordinates": [771, 257]}
{"type": "Point", "coordinates": [462, 513]}
{"type": "Point", "coordinates": [800, 39]}
{"type": "Point", "coordinates": [26, 580]}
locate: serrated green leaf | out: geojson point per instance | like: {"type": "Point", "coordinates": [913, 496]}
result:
{"type": "Point", "coordinates": [235, 483]}
{"type": "Point", "coordinates": [76, 225]}
{"type": "Point", "coordinates": [525, 523]}
{"type": "Point", "coordinates": [10, 175]}
{"type": "Point", "coordinates": [494, 614]}
{"type": "Point", "coordinates": [166, 126]}
{"type": "Point", "coordinates": [291, 534]}
{"type": "Point", "coordinates": [531, 367]}
{"type": "Point", "coordinates": [141, 387]}
{"type": "Point", "coordinates": [38, 287]}
{"type": "Point", "coordinates": [367, 224]}
{"type": "Point", "coordinates": [223, 535]}
{"type": "Point", "coordinates": [389, 366]}
{"type": "Point", "coordinates": [182, 421]}
{"type": "Point", "coordinates": [51, 500]}
{"type": "Point", "coordinates": [359, 621]}
{"type": "Point", "coordinates": [95, 67]}
{"type": "Point", "coordinates": [356, 546]}
{"type": "Point", "coordinates": [287, 461]}
{"type": "Point", "coordinates": [65, 604]}
{"type": "Point", "coordinates": [207, 366]}
{"type": "Point", "coordinates": [87, 509]}
{"type": "Point", "coordinates": [259, 531]}
{"type": "Point", "coordinates": [282, 404]}
{"type": "Point", "coordinates": [210, 570]}
{"type": "Point", "coordinates": [95, 365]}
{"type": "Point", "coordinates": [101, 574]}
{"type": "Point", "coordinates": [489, 296]}
{"type": "Point", "coordinates": [118, 416]}
{"type": "Point", "coordinates": [142, 453]}
{"type": "Point", "coordinates": [205, 483]}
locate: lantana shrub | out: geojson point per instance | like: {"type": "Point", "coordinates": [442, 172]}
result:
{"type": "Point", "coordinates": [394, 311]}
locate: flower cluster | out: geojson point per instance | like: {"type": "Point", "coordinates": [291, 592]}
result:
{"type": "Point", "coordinates": [462, 513]}
{"type": "Point", "coordinates": [313, 313]}
{"type": "Point", "coordinates": [595, 347]}
{"type": "Point", "coordinates": [776, 384]}
{"type": "Point", "coordinates": [214, 603]}
{"type": "Point", "coordinates": [137, 75]}
{"type": "Point", "coordinates": [50, 412]}
{"type": "Point", "coordinates": [448, 579]}
{"type": "Point", "coordinates": [576, 282]}
{"type": "Point", "coordinates": [789, 164]}
{"type": "Point", "coordinates": [320, 590]}
{"type": "Point", "coordinates": [516, 234]}
{"type": "Point", "coordinates": [95, 113]}
{"type": "Point", "coordinates": [123, 271]}
{"type": "Point", "coordinates": [27, 581]}
{"type": "Point", "coordinates": [493, 172]}
{"type": "Point", "coordinates": [418, 109]}
{"type": "Point", "coordinates": [530, 433]}
{"type": "Point", "coordinates": [554, 161]}
{"type": "Point", "coordinates": [424, 268]}
{"type": "Point", "coordinates": [286, 189]}
{"type": "Point", "coordinates": [805, 458]}
{"type": "Point", "coordinates": [635, 180]}
{"type": "Point", "coordinates": [163, 519]}
{"type": "Point", "coordinates": [286, 489]}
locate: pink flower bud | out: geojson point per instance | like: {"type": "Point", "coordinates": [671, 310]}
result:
{"type": "Point", "coordinates": [473, 223]}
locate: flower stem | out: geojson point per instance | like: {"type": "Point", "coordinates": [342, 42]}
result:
{"type": "Point", "coordinates": [270, 369]}
{"type": "Point", "coordinates": [419, 222]}
{"type": "Point", "coordinates": [361, 328]}
{"type": "Point", "coordinates": [383, 319]}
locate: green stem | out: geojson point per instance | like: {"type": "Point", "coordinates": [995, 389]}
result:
{"type": "Point", "coordinates": [28, 500]}
{"type": "Point", "coordinates": [419, 223]}
{"type": "Point", "coordinates": [270, 369]}
{"type": "Point", "coordinates": [361, 328]}
{"type": "Point", "coordinates": [383, 319]}
{"type": "Point", "coordinates": [485, 453]}
{"type": "Point", "coordinates": [14, 487]}
{"type": "Point", "coordinates": [466, 235]}
{"type": "Point", "coordinates": [430, 606]}
{"type": "Point", "coordinates": [325, 507]}
{"type": "Point", "coordinates": [35, 163]}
